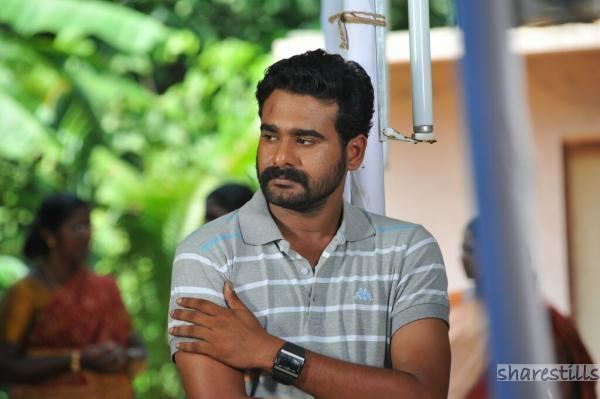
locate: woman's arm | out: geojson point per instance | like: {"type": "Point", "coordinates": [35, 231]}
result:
{"type": "Point", "coordinates": [16, 312]}
{"type": "Point", "coordinates": [16, 368]}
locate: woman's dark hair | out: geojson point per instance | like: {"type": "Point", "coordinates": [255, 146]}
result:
{"type": "Point", "coordinates": [50, 216]}
{"type": "Point", "coordinates": [230, 196]}
{"type": "Point", "coordinates": [329, 78]}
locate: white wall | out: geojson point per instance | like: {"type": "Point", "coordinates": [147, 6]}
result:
{"type": "Point", "coordinates": [430, 184]}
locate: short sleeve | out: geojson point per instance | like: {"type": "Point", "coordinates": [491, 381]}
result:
{"type": "Point", "coordinates": [422, 291]}
{"type": "Point", "coordinates": [195, 274]}
{"type": "Point", "coordinates": [16, 313]}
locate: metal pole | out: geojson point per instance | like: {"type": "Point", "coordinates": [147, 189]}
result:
{"type": "Point", "coordinates": [420, 68]}
{"type": "Point", "coordinates": [367, 181]}
{"type": "Point", "coordinates": [332, 45]}
{"type": "Point", "coordinates": [330, 31]}
{"type": "Point", "coordinates": [381, 7]}
{"type": "Point", "coordinates": [500, 146]}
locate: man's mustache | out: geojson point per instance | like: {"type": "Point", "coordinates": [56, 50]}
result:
{"type": "Point", "coordinates": [275, 172]}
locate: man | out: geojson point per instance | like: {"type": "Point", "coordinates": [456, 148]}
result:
{"type": "Point", "coordinates": [334, 302]}
{"type": "Point", "coordinates": [469, 336]}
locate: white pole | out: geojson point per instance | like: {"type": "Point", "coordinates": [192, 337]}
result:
{"type": "Point", "coordinates": [332, 45]}
{"type": "Point", "coordinates": [420, 68]}
{"type": "Point", "coordinates": [367, 181]}
{"type": "Point", "coordinates": [330, 30]}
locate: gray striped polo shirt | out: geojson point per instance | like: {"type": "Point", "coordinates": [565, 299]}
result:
{"type": "Point", "coordinates": [376, 275]}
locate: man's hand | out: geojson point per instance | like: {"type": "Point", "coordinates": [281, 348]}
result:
{"type": "Point", "coordinates": [230, 335]}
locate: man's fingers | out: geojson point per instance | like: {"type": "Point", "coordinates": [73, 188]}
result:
{"type": "Point", "coordinates": [199, 347]}
{"type": "Point", "coordinates": [190, 331]}
{"type": "Point", "coordinates": [199, 304]}
{"type": "Point", "coordinates": [193, 316]}
{"type": "Point", "coordinates": [231, 297]}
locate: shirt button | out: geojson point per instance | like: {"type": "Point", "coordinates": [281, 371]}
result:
{"type": "Point", "coordinates": [304, 271]}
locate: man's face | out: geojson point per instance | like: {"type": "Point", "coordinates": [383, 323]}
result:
{"type": "Point", "coordinates": [469, 255]}
{"type": "Point", "coordinates": [300, 160]}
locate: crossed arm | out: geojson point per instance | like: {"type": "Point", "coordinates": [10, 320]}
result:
{"type": "Point", "coordinates": [233, 340]}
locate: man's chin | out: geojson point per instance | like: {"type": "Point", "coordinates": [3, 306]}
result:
{"type": "Point", "coordinates": [294, 204]}
{"type": "Point", "coordinates": [284, 202]}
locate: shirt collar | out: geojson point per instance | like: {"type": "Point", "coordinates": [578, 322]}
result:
{"type": "Point", "coordinates": [258, 227]}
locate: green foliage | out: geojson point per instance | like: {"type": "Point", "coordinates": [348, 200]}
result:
{"type": "Point", "coordinates": [262, 21]}
{"type": "Point", "coordinates": [12, 270]}
{"type": "Point", "coordinates": [441, 13]}
{"type": "Point", "coordinates": [81, 112]}
{"type": "Point", "coordinates": [256, 21]}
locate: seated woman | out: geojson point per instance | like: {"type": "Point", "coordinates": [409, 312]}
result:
{"type": "Point", "coordinates": [64, 332]}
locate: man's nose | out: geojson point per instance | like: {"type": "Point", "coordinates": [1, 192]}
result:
{"type": "Point", "coordinates": [285, 154]}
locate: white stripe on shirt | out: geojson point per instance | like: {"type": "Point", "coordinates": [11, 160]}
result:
{"type": "Point", "coordinates": [376, 251]}
{"type": "Point", "coordinates": [421, 269]}
{"type": "Point", "coordinates": [201, 259]}
{"type": "Point", "coordinates": [263, 256]}
{"type": "Point", "coordinates": [424, 291]}
{"type": "Point", "coordinates": [420, 244]}
{"type": "Point", "coordinates": [321, 309]}
{"type": "Point", "coordinates": [191, 290]}
{"type": "Point", "coordinates": [317, 280]}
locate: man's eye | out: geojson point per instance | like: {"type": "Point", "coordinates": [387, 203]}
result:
{"type": "Point", "coordinates": [268, 137]}
{"type": "Point", "coordinates": [304, 141]}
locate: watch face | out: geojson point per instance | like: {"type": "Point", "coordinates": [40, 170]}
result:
{"type": "Point", "coordinates": [289, 363]}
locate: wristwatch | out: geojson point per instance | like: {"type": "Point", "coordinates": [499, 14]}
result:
{"type": "Point", "coordinates": [288, 363]}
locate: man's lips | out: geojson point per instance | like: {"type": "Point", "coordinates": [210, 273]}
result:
{"type": "Point", "coordinates": [283, 182]}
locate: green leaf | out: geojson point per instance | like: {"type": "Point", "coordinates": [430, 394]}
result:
{"type": "Point", "coordinates": [11, 269]}
{"type": "Point", "coordinates": [23, 136]}
{"type": "Point", "coordinates": [102, 88]}
{"type": "Point", "coordinates": [117, 183]}
{"type": "Point", "coordinates": [122, 28]}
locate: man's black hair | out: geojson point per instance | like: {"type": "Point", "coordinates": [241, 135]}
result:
{"type": "Point", "coordinates": [329, 78]}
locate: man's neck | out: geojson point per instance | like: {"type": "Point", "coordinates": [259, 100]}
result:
{"type": "Point", "coordinates": [309, 233]}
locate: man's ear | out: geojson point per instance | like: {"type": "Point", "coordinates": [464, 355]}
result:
{"type": "Point", "coordinates": [355, 151]}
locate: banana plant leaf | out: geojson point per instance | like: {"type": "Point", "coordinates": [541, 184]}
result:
{"type": "Point", "coordinates": [124, 29]}
{"type": "Point", "coordinates": [22, 135]}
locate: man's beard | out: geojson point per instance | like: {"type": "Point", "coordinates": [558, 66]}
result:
{"type": "Point", "coordinates": [313, 197]}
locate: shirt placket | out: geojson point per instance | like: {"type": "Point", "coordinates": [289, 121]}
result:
{"type": "Point", "coordinates": [302, 270]}
{"type": "Point", "coordinates": [317, 296]}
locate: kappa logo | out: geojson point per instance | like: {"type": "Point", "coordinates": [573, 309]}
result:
{"type": "Point", "coordinates": [363, 295]}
